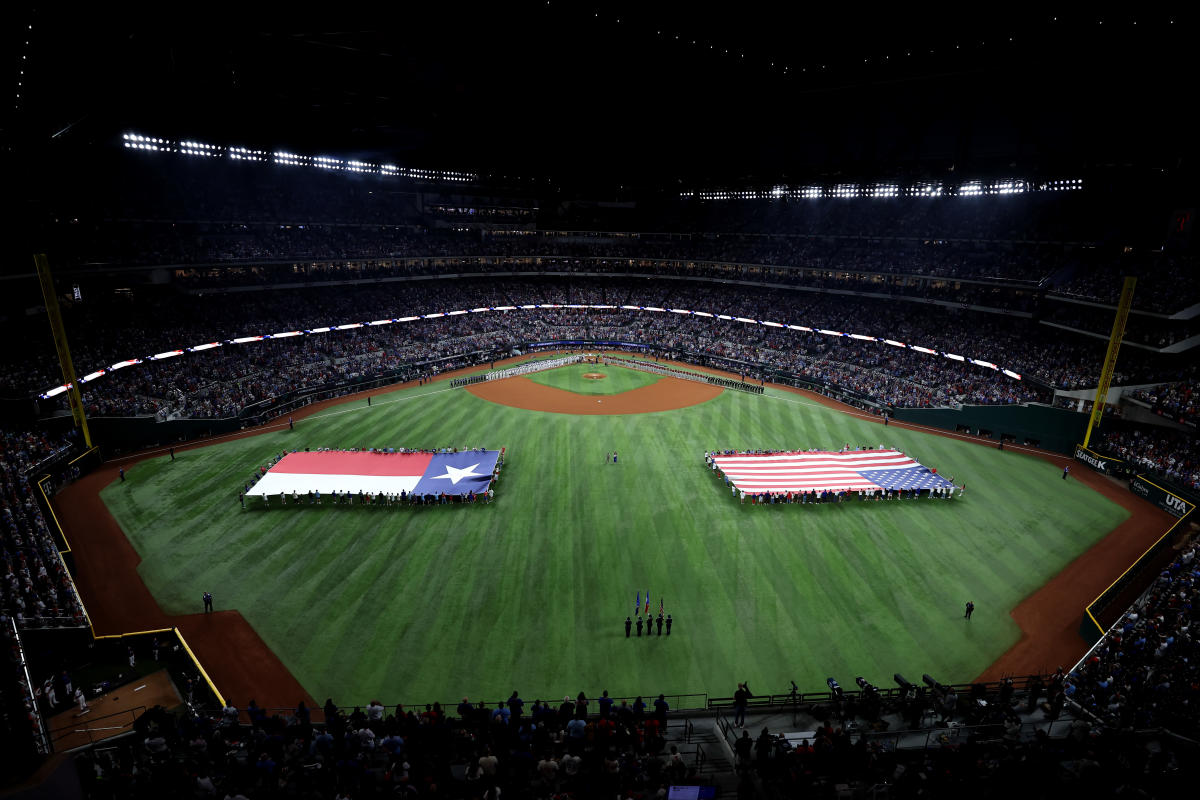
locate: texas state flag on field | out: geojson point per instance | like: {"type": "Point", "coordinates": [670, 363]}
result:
{"type": "Point", "coordinates": [379, 473]}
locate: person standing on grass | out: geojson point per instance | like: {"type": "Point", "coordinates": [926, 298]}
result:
{"type": "Point", "coordinates": [1066, 471]}
{"type": "Point", "coordinates": [639, 624]}
{"type": "Point", "coordinates": [970, 610]}
{"type": "Point", "coordinates": [121, 472]}
{"type": "Point", "coordinates": [208, 603]}
{"type": "Point", "coordinates": [668, 624]}
{"type": "Point", "coordinates": [172, 449]}
{"type": "Point", "coordinates": [628, 626]}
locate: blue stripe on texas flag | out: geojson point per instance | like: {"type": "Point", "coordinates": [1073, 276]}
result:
{"type": "Point", "coordinates": [458, 473]}
{"type": "Point", "coordinates": [911, 478]}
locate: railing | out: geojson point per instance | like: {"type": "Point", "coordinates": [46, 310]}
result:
{"type": "Point", "coordinates": [799, 699]}
{"type": "Point", "coordinates": [39, 725]}
{"type": "Point", "coordinates": [926, 738]}
{"type": "Point", "coordinates": [677, 702]}
{"type": "Point", "coordinates": [48, 514]}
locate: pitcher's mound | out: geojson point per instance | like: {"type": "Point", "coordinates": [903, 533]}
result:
{"type": "Point", "coordinates": [594, 376]}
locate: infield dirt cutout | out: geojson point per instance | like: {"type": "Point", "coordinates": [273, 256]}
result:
{"type": "Point", "coordinates": [665, 394]}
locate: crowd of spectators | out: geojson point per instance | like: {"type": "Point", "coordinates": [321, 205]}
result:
{"type": "Point", "coordinates": [220, 381]}
{"type": "Point", "coordinates": [595, 747]}
{"type": "Point", "coordinates": [1166, 282]}
{"type": "Point", "coordinates": [36, 589]}
{"type": "Point", "coordinates": [1144, 673]}
{"type": "Point", "coordinates": [1176, 400]}
{"type": "Point", "coordinates": [1153, 332]}
{"type": "Point", "coordinates": [1018, 265]}
{"type": "Point", "coordinates": [1170, 453]}
{"type": "Point", "coordinates": [582, 747]}
{"type": "Point", "coordinates": [1088, 762]}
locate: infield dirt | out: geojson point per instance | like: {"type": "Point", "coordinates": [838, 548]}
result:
{"type": "Point", "coordinates": [665, 394]}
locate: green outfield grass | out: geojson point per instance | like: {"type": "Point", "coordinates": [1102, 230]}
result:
{"type": "Point", "coordinates": [530, 593]}
{"type": "Point", "coordinates": [570, 378]}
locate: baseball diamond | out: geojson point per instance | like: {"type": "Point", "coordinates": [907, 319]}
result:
{"type": "Point", "coordinates": [557, 505]}
{"type": "Point", "coordinates": [576, 403]}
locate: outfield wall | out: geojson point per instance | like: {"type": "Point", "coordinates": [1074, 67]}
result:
{"type": "Point", "coordinates": [1054, 429]}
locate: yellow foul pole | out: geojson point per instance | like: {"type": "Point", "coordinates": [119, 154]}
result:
{"type": "Point", "coordinates": [60, 344]}
{"type": "Point", "coordinates": [1110, 359]}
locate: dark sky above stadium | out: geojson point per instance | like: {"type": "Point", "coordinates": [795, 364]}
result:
{"type": "Point", "coordinates": [646, 93]}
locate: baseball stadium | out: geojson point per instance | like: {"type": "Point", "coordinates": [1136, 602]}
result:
{"type": "Point", "coordinates": [354, 447]}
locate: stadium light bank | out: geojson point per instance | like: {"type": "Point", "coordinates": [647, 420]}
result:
{"type": "Point", "coordinates": [890, 190]}
{"type": "Point", "coordinates": [192, 148]}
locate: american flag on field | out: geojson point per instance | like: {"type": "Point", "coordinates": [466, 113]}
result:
{"type": "Point", "coordinates": [803, 472]}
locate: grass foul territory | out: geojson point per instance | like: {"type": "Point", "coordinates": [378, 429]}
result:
{"type": "Point", "coordinates": [531, 592]}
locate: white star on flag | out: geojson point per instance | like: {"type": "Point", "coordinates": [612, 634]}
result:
{"type": "Point", "coordinates": [455, 474]}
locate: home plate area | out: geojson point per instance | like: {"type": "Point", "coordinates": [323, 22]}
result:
{"type": "Point", "coordinates": [379, 472]}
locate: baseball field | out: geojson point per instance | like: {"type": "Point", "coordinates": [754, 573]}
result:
{"type": "Point", "coordinates": [531, 591]}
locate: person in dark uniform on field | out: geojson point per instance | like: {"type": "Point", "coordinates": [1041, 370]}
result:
{"type": "Point", "coordinates": [121, 472]}
{"type": "Point", "coordinates": [628, 626]}
{"type": "Point", "coordinates": [292, 423]}
{"type": "Point", "coordinates": [668, 624]}
{"type": "Point", "coordinates": [639, 624]}
{"type": "Point", "coordinates": [242, 499]}
{"type": "Point", "coordinates": [208, 604]}
{"type": "Point", "coordinates": [172, 449]}
{"type": "Point", "coordinates": [1066, 471]}
{"type": "Point", "coordinates": [970, 610]}
{"type": "Point", "coordinates": [659, 623]}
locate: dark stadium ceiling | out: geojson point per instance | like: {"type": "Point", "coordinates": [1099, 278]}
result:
{"type": "Point", "coordinates": [652, 94]}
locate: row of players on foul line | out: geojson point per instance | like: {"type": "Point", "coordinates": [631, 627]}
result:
{"type": "Point", "coordinates": [378, 499]}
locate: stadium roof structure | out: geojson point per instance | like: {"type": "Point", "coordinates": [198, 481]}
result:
{"type": "Point", "coordinates": [674, 96]}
